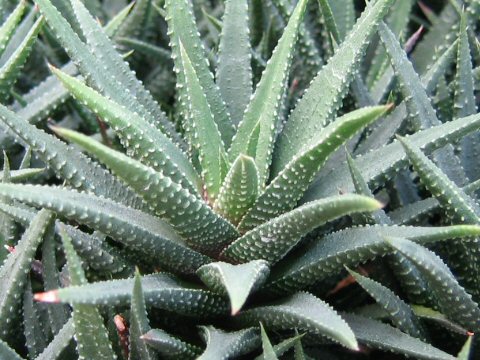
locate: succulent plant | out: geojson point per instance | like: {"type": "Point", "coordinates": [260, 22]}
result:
{"type": "Point", "coordinates": [276, 179]}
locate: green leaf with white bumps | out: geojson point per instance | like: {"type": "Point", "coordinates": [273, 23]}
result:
{"type": "Point", "coordinates": [304, 312]}
{"type": "Point", "coordinates": [400, 313]}
{"type": "Point", "coordinates": [381, 336]}
{"type": "Point", "coordinates": [8, 27]}
{"type": "Point", "coordinates": [237, 281]}
{"type": "Point", "coordinates": [288, 187]}
{"type": "Point", "coordinates": [273, 239]}
{"type": "Point", "coordinates": [191, 217]}
{"type": "Point", "coordinates": [161, 290]}
{"type": "Point", "coordinates": [90, 332]}
{"type": "Point", "coordinates": [239, 190]}
{"type": "Point", "coordinates": [69, 164]}
{"type": "Point", "coordinates": [222, 345]}
{"type": "Point", "coordinates": [61, 341]}
{"type": "Point", "coordinates": [139, 323]}
{"type": "Point", "coordinates": [143, 141]}
{"type": "Point", "coordinates": [14, 271]}
{"type": "Point", "coordinates": [142, 232]}
{"type": "Point", "coordinates": [206, 137]}
{"type": "Point", "coordinates": [350, 247]}
{"type": "Point", "coordinates": [452, 299]}
{"type": "Point", "coordinates": [268, 351]}
{"type": "Point", "coordinates": [169, 346]}
{"type": "Point", "coordinates": [6, 352]}
{"type": "Point", "coordinates": [320, 102]}
{"type": "Point", "coordinates": [264, 107]}
{"type": "Point", "coordinates": [234, 72]}
{"type": "Point", "coordinates": [182, 28]}
{"type": "Point", "coordinates": [383, 163]}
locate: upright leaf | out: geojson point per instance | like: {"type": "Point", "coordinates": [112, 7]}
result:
{"type": "Point", "coordinates": [90, 332]}
{"type": "Point", "coordinates": [237, 281]}
{"type": "Point", "coordinates": [239, 190]}
{"type": "Point", "coordinates": [234, 72]}
{"type": "Point", "coordinates": [228, 345]}
{"type": "Point", "coordinates": [206, 137]}
{"type": "Point", "coordinates": [182, 28]}
{"type": "Point", "coordinates": [320, 102]}
{"type": "Point", "coordinates": [264, 108]}
{"type": "Point", "coordinates": [8, 27]}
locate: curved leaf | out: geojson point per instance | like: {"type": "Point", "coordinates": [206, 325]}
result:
{"type": "Point", "coordinates": [273, 239]}
{"type": "Point", "coordinates": [169, 346]}
{"type": "Point", "coordinates": [144, 233]}
{"type": "Point", "coordinates": [237, 281]}
{"type": "Point", "coordinates": [304, 312]}
{"type": "Point", "coordinates": [223, 345]}
{"type": "Point", "coordinates": [190, 216]}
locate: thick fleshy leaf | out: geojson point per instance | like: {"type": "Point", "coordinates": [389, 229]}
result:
{"type": "Point", "coordinates": [400, 313]}
{"type": "Point", "coordinates": [320, 102]}
{"type": "Point", "coordinates": [59, 342]}
{"type": "Point", "coordinates": [264, 107]}
{"type": "Point", "coordinates": [237, 281]}
{"type": "Point", "coordinates": [464, 354]}
{"type": "Point", "coordinates": [234, 72]}
{"type": "Point", "coordinates": [239, 190]}
{"type": "Point", "coordinates": [139, 323]}
{"type": "Point", "coordinates": [182, 28]}
{"type": "Point", "coordinates": [195, 222]}
{"type": "Point", "coordinates": [8, 27]}
{"type": "Point", "coordinates": [438, 318]}
{"type": "Point", "coordinates": [288, 187]}
{"type": "Point", "coordinates": [268, 351]}
{"type": "Point", "coordinates": [10, 69]}
{"type": "Point", "coordinates": [160, 290]}
{"type": "Point", "coordinates": [14, 271]}
{"type": "Point", "coordinates": [69, 164]}
{"type": "Point", "coordinates": [143, 140]}
{"type": "Point", "coordinates": [273, 239]}
{"type": "Point", "coordinates": [222, 345]}
{"type": "Point", "coordinates": [149, 235]}
{"type": "Point", "coordinates": [304, 312]}
{"type": "Point", "coordinates": [452, 299]}
{"type": "Point", "coordinates": [383, 163]}
{"type": "Point", "coordinates": [206, 138]}
{"type": "Point", "coordinates": [90, 332]}
{"type": "Point", "coordinates": [350, 247]}
{"type": "Point", "coordinates": [381, 336]}
{"type": "Point", "coordinates": [6, 352]}
{"type": "Point", "coordinates": [169, 346]}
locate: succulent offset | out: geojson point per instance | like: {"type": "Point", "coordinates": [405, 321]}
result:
{"type": "Point", "coordinates": [223, 179]}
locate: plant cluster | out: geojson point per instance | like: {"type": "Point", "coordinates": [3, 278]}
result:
{"type": "Point", "coordinates": [239, 179]}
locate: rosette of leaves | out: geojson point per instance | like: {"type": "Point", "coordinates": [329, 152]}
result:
{"type": "Point", "coordinates": [233, 226]}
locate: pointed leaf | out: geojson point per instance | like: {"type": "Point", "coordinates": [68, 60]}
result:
{"type": "Point", "coordinates": [273, 239]}
{"type": "Point", "coordinates": [320, 102]}
{"type": "Point", "coordinates": [452, 299]}
{"type": "Point", "coordinates": [400, 313]}
{"type": "Point", "coordinates": [139, 323]}
{"type": "Point", "coordinates": [223, 345]}
{"type": "Point", "coordinates": [169, 346]}
{"type": "Point", "coordinates": [234, 72]}
{"type": "Point", "coordinates": [196, 222]}
{"type": "Point", "coordinates": [6, 352]}
{"type": "Point", "coordinates": [90, 332]}
{"type": "Point", "coordinates": [139, 231]}
{"type": "Point", "coordinates": [288, 187]}
{"type": "Point", "coordinates": [239, 190]}
{"type": "Point", "coordinates": [464, 354]}
{"type": "Point", "coordinates": [264, 107]}
{"type": "Point", "coordinates": [385, 337]}
{"type": "Point", "coordinates": [304, 312]}
{"type": "Point", "coordinates": [350, 247]}
{"type": "Point", "coordinates": [237, 281]}
{"type": "Point", "coordinates": [144, 142]}
{"type": "Point", "coordinates": [14, 271]}
{"type": "Point", "coordinates": [268, 351]}
{"type": "Point", "coordinates": [8, 27]}
{"type": "Point", "coordinates": [69, 164]}
{"type": "Point", "coordinates": [206, 137]}
{"type": "Point", "coordinates": [383, 163]}
{"type": "Point", "coordinates": [182, 28]}
{"type": "Point", "coordinates": [160, 290]}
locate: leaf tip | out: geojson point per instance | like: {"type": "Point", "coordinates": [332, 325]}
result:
{"type": "Point", "coordinates": [48, 296]}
